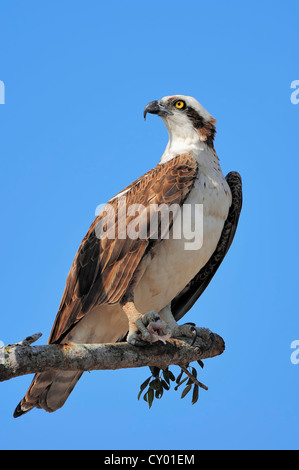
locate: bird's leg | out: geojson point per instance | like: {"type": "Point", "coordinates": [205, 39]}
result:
{"type": "Point", "coordinates": [146, 328]}
{"type": "Point", "coordinates": [189, 330]}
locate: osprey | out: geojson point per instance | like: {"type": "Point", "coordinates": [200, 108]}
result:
{"type": "Point", "coordinates": [139, 287]}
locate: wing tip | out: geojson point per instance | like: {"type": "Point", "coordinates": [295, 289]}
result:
{"type": "Point", "coordinates": [234, 175]}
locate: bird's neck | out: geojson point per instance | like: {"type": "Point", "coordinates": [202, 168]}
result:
{"type": "Point", "coordinates": [187, 140]}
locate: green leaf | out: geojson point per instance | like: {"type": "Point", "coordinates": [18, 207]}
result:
{"type": "Point", "coordinates": [159, 393]}
{"type": "Point", "coordinates": [144, 384]}
{"type": "Point", "coordinates": [186, 390]}
{"type": "Point", "coordinates": [194, 372]}
{"type": "Point", "coordinates": [150, 397]}
{"type": "Point", "coordinates": [166, 375]}
{"type": "Point", "coordinates": [179, 376]}
{"type": "Point", "coordinates": [181, 382]}
{"type": "Point", "coordinates": [201, 363]}
{"type": "Point", "coordinates": [171, 376]}
{"type": "Point", "coordinates": [165, 385]}
{"type": "Point", "coordinates": [195, 394]}
{"type": "Point", "coordinates": [155, 384]}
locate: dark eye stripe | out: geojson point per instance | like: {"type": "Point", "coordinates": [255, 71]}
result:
{"type": "Point", "coordinates": [199, 123]}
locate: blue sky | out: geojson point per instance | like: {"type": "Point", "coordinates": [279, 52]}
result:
{"type": "Point", "coordinates": [77, 77]}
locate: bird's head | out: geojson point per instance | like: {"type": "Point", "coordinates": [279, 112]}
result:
{"type": "Point", "coordinates": [184, 117]}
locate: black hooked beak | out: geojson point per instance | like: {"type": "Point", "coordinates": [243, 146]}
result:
{"type": "Point", "coordinates": [156, 107]}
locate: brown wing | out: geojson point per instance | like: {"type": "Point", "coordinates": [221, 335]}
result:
{"type": "Point", "coordinates": [104, 268]}
{"type": "Point", "coordinates": [189, 295]}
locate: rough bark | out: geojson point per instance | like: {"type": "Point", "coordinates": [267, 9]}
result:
{"type": "Point", "coordinates": [22, 358]}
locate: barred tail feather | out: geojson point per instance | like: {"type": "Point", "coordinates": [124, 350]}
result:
{"type": "Point", "coordinates": [48, 390]}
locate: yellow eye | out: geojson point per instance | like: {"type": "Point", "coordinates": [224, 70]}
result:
{"type": "Point", "coordinates": [180, 104]}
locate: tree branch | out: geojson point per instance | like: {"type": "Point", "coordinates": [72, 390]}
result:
{"type": "Point", "coordinates": [22, 358]}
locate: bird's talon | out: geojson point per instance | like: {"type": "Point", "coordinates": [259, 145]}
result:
{"type": "Point", "coordinates": [149, 329]}
{"type": "Point", "coordinates": [187, 330]}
